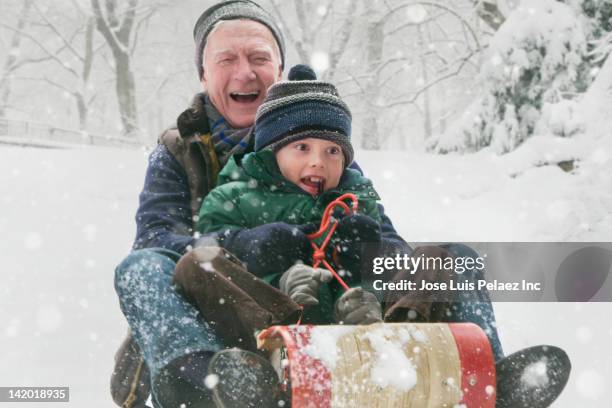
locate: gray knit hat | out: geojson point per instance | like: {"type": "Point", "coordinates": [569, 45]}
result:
{"type": "Point", "coordinates": [233, 10]}
{"type": "Point", "coordinates": [298, 109]}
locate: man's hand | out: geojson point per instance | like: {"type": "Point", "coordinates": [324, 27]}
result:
{"type": "Point", "coordinates": [302, 282]}
{"type": "Point", "coordinates": [358, 306]}
{"type": "Point", "coordinates": [358, 228]}
{"type": "Point", "coordinates": [270, 248]}
{"type": "Point", "coordinates": [353, 231]}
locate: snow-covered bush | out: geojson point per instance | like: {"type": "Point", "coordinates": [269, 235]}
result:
{"type": "Point", "coordinates": [532, 62]}
{"type": "Point", "coordinates": [595, 104]}
{"type": "Point", "coordinates": [563, 118]}
{"type": "Point", "coordinates": [596, 17]}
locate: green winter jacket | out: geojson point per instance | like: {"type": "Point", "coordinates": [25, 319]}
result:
{"type": "Point", "coordinates": [251, 191]}
{"type": "Point", "coordinates": [254, 192]}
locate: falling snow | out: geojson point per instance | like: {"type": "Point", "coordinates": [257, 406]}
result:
{"type": "Point", "coordinates": [535, 375]}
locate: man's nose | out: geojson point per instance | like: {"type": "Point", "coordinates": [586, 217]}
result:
{"type": "Point", "coordinates": [244, 71]}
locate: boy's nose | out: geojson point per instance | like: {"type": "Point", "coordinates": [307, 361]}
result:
{"type": "Point", "coordinates": [316, 160]}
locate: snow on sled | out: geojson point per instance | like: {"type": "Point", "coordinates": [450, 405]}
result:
{"type": "Point", "coordinates": [384, 365]}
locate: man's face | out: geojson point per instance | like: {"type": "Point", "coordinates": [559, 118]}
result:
{"type": "Point", "coordinates": [314, 165]}
{"type": "Point", "coordinates": [241, 60]}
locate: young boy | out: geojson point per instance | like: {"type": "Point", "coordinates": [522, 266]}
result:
{"type": "Point", "coordinates": [266, 202]}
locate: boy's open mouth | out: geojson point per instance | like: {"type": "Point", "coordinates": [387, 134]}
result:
{"type": "Point", "coordinates": [244, 97]}
{"type": "Point", "coordinates": [315, 184]}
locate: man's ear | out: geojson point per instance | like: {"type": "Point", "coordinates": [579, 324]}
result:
{"type": "Point", "coordinates": [280, 73]}
{"type": "Point", "coordinates": [203, 80]}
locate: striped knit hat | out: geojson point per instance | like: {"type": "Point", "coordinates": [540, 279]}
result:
{"type": "Point", "coordinates": [300, 108]}
{"type": "Point", "coordinates": [233, 10]}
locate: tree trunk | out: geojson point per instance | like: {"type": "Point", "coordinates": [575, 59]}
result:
{"type": "Point", "coordinates": [370, 138]}
{"type": "Point", "coordinates": [82, 110]}
{"type": "Point", "coordinates": [126, 94]}
{"type": "Point", "coordinates": [11, 59]}
{"type": "Point", "coordinates": [80, 96]}
{"type": "Point", "coordinates": [425, 75]}
{"type": "Point", "coordinates": [117, 35]}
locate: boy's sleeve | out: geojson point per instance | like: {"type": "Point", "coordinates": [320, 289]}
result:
{"type": "Point", "coordinates": [267, 249]}
{"type": "Point", "coordinates": [220, 212]}
{"type": "Point", "coordinates": [163, 218]}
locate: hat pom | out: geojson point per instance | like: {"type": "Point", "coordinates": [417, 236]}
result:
{"type": "Point", "coordinates": [301, 72]}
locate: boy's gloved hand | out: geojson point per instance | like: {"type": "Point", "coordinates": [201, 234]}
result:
{"type": "Point", "coordinates": [357, 306]}
{"type": "Point", "coordinates": [302, 282]}
{"type": "Point", "coordinates": [270, 248]}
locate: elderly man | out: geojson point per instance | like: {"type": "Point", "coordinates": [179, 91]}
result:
{"type": "Point", "coordinates": [239, 54]}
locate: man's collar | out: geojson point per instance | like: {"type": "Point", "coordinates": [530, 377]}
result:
{"type": "Point", "coordinates": [194, 119]}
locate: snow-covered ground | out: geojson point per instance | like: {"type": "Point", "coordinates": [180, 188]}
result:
{"type": "Point", "coordinates": [67, 220]}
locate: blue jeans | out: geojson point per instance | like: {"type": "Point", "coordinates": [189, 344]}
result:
{"type": "Point", "coordinates": [163, 323]}
{"type": "Point", "coordinates": [474, 307]}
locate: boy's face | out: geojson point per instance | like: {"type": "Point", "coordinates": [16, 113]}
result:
{"type": "Point", "coordinates": [314, 165]}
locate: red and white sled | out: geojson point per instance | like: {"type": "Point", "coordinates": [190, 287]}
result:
{"type": "Point", "coordinates": [384, 365]}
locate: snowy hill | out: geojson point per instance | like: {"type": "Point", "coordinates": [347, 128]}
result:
{"type": "Point", "coordinates": [67, 219]}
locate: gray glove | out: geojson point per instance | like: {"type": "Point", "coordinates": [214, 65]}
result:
{"type": "Point", "coordinates": [302, 282]}
{"type": "Point", "coordinates": [358, 306]}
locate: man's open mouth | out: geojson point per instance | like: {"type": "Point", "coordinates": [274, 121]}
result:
{"type": "Point", "coordinates": [244, 97]}
{"type": "Point", "coordinates": [316, 183]}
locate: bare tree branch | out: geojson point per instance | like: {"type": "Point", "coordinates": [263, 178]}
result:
{"type": "Point", "coordinates": [52, 55]}
{"type": "Point", "coordinates": [433, 18]}
{"type": "Point", "coordinates": [440, 6]}
{"type": "Point", "coordinates": [430, 84]}
{"type": "Point", "coordinates": [111, 13]}
{"type": "Point", "coordinates": [78, 8]}
{"type": "Point", "coordinates": [340, 49]}
{"type": "Point", "coordinates": [89, 50]}
{"type": "Point", "coordinates": [298, 44]}
{"type": "Point", "coordinates": [117, 35]}
{"type": "Point", "coordinates": [91, 100]}
{"type": "Point", "coordinates": [104, 25]}
{"type": "Point", "coordinates": [48, 81]}
{"type": "Point", "coordinates": [11, 64]}
{"type": "Point", "coordinates": [384, 82]}
{"type": "Point", "coordinates": [128, 21]}
{"type": "Point", "coordinates": [59, 34]}
{"type": "Point", "coordinates": [27, 61]}
{"type": "Point", "coordinates": [143, 20]}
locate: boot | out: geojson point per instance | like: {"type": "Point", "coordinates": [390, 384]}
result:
{"type": "Point", "coordinates": [130, 383]}
{"type": "Point", "coordinates": [182, 383]}
{"type": "Point", "coordinates": [243, 380]}
{"type": "Point", "coordinates": [532, 378]}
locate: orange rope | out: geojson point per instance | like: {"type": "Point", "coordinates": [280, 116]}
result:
{"type": "Point", "coordinates": [328, 225]}
{"type": "Point", "coordinates": [318, 256]}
